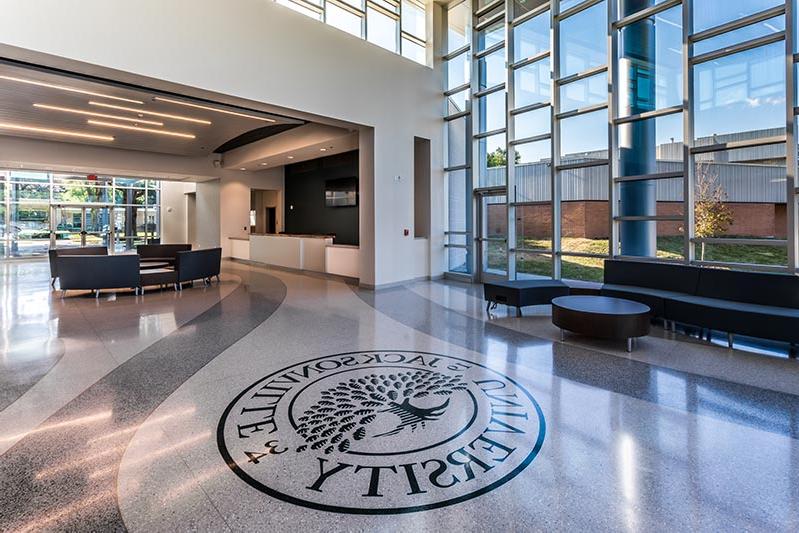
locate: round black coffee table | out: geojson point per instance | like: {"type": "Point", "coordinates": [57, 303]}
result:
{"type": "Point", "coordinates": [601, 317]}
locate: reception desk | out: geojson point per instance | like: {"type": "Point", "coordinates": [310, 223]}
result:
{"type": "Point", "coordinates": [343, 260]}
{"type": "Point", "coordinates": [315, 253]}
{"type": "Point", "coordinates": [300, 252]}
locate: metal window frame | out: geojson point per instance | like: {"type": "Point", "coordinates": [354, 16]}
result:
{"type": "Point", "coordinates": [319, 9]}
{"type": "Point", "coordinates": [644, 14]}
{"type": "Point", "coordinates": [467, 143]}
{"type": "Point", "coordinates": [528, 60]}
{"type": "Point", "coordinates": [538, 251]}
{"type": "Point", "coordinates": [489, 90]}
{"type": "Point", "coordinates": [737, 24]}
{"type": "Point", "coordinates": [735, 145]}
{"type": "Point", "coordinates": [531, 107]}
{"type": "Point", "coordinates": [647, 177]}
{"type": "Point", "coordinates": [577, 76]}
{"type": "Point", "coordinates": [524, 17]}
{"type": "Point", "coordinates": [657, 113]}
{"type": "Point", "coordinates": [779, 243]}
{"type": "Point", "coordinates": [689, 178]}
{"type": "Point", "coordinates": [744, 46]}
{"type": "Point", "coordinates": [51, 202]}
{"type": "Point", "coordinates": [395, 16]}
{"type": "Point", "coordinates": [510, 147]}
{"type": "Point", "coordinates": [363, 13]}
{"type": "Point", "coordinates": [490, 50]}
{"type": "Point", "coordinates": [528, 140]}
{"type": "Point", "coordinates": [579, 8]}
{"type": "Point", "coordinates": [791, 216]}
{"type": "Point", "coordinates": [554, 177]}
{"type": "Point", "coordinates": [690, 149]}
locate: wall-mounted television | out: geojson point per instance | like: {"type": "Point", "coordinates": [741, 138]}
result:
{"type": "Point", "coordinates": [342, 192]}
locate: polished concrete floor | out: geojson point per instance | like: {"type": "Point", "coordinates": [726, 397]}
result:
{"type": "Point", "coordinates": [277, 401]}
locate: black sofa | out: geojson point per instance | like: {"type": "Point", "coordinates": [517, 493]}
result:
{"type": "Point", "coordinates": [197, 264]}
{"type": "Point", "coordinates": [161, 252]}
{"type": "Point", "coordinates": [77, 272]}
{"type": "Point", "coordinates": [756, 304]}
{"type": "Point", "coordinates": [55, 253]}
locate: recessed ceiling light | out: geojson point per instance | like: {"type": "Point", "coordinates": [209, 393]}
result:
{"type": "Point", "coordinates": [264, 164]}
{"type": "Point", "coordinates": [291, 157]}
{"type": "Point", "coordinates": [101, 115]}
{"type": "Point", "coordinates": [242, 168]}
{"type": "Point", "coordinates": [323, 149]}
{"type": "Point", "coordinates": [145, 130]}
{"type": "Point", "coordinates": [66, 133]}
{"type": "Point", "coordinates": [216, 110]}
{"type": "Point", "coordinates": [152, 113]}
{"type": "Point", "coordinates": [69, 89]}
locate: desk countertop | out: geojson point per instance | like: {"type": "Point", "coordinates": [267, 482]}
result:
{"type": "Point", "coordinates": [294, 235]}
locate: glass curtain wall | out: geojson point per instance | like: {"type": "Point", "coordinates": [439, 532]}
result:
{"type": "Point", "coordinates": [396, 25]}
{"type": "Point", "coordinates": [76, 210]}
{"type": "Point", "coordinates": [650, 129]}
{"type": "Point", "coordinates": [458, 117]}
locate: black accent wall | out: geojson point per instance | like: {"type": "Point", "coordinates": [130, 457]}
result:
{"type": "Point", "coordinates": [305, 190]}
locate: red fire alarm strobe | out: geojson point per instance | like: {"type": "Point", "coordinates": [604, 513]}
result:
{"type": "Point", "coordinates": [92, 177]}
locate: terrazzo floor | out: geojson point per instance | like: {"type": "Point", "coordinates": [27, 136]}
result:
{"type": "Point", "coordinates": [278, 401]}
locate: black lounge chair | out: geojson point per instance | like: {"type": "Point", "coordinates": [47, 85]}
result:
{"type": "Point", "coordinates": [55, 253]}
{"type": "Point", "coordinates": [161, 252]}
{"type": "Point", "coordinates": [197, 264]}
{"type": "Point", "coordinates": [98, 272]}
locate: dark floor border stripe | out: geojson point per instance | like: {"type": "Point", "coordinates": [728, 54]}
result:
{"type": "Point", "coordinates": [12, 390]}
{"type": "Point", "coordinates": [70, 498]}
{"type": "Point", "coordinates": [746, 405]}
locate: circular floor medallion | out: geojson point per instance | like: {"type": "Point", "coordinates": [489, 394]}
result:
{"type": "Point", "coordinates": [381, 432]}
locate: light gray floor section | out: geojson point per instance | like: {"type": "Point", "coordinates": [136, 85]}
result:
{"type": "Point", "coordinates": [641, 443]}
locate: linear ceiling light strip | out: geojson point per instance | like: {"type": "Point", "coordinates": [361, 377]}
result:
{"type": "Point", "coordinates": [99, 115]}
{"type": "Point", "coordinates": [151, 113]}
{"type": "Point", "coordinates": [70, 89]}
{"type": "Point", "coordinates": [216, 110]}
{"type": "Point", "coordinates": [144, 130]}
{"type": "Point", "coordinates": [66, 133]}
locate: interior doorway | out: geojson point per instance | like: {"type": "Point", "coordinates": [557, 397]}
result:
{"type": "Point", "coordinates": [264, 211]}
{"type": "Point", "coordinates": [191, 218]}
{"type": "Point", "coordinates": [271, 219]}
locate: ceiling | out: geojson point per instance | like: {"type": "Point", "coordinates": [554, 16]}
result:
{"type": "Point", "coordinates": [44, 105]}
{"type": "Point", "coordinates": [309, 141]}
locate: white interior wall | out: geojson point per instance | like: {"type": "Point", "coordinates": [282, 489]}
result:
{"type": "Point", "coordinates": [235, 202]}
{"type": "Point", "coordinates": [261, 51]}
{"type": "Point", "coordinates": [174, 215]}
{"type": "Point", "coordinates": [207, 210]}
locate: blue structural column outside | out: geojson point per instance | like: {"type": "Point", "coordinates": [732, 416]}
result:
{"type": "Point", "coordinates": [637, 140]}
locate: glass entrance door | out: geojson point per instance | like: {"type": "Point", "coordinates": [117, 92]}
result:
{"type": "Point", "coordinates": [72, 226]}
{"type": "Point", "coordinates": [66, 226]}
{"type": "Point", "coordinates": [130, 227]}
{"type": "Point", "coordinates": [492, 240]}
{"type": "Point", "coordinates": [97, 228]}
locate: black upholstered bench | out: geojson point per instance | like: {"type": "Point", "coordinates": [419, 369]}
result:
{"type": "Point", "coordinates": [519, 293]}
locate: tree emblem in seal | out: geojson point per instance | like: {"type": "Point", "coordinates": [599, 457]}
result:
{"type": "Point", "coordinates": [345, 411]}
{"type": "Point", "coordinates": [381, 432]}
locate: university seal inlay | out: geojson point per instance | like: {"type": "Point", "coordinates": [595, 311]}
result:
{"type": "Point", "coordinates": [381, 432]}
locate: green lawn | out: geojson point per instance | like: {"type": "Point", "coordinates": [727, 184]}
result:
{"type": "Point", "coordinates": [590, 268]}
